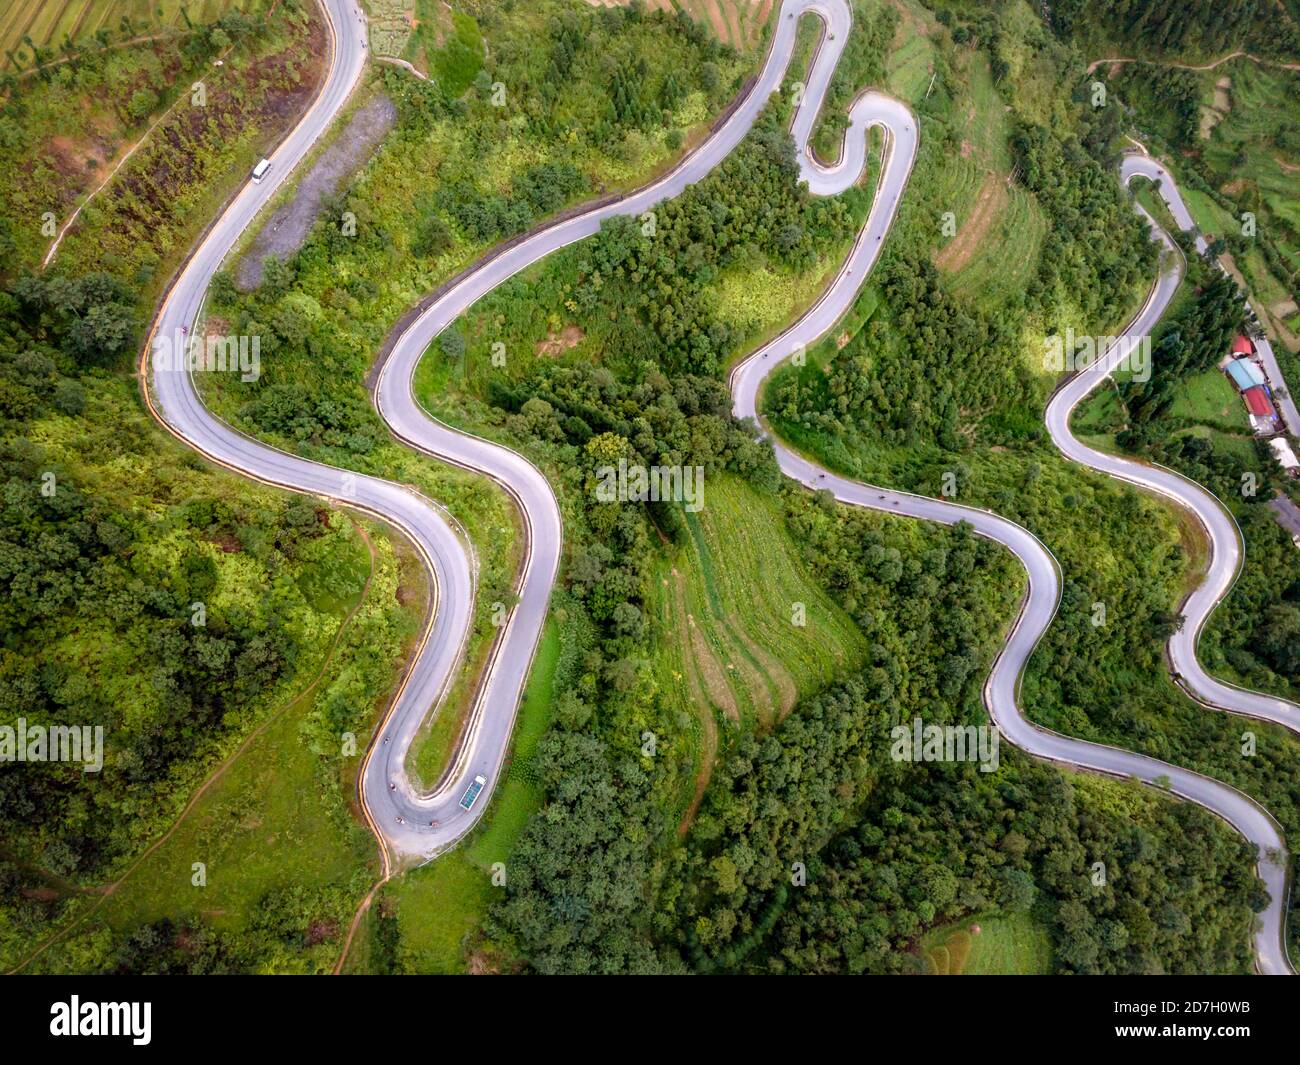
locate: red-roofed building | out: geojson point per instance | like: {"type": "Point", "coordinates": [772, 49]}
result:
{"type": "Point", "coordinates": [1257, 402]}
{"type": "Point", "coordinates": [1243, 346]}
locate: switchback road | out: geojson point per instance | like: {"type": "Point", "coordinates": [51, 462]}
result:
{"type": "Point", "coordinates": [412, 825]}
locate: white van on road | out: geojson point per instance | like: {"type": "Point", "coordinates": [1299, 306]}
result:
{"type": "Point", "coordinates": [260, 170]}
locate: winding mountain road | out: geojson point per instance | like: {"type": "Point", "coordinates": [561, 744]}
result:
{"type": "Point", "coordinates": [411, 825]}
{"type": "Point", "coordinates": [1226, 547]}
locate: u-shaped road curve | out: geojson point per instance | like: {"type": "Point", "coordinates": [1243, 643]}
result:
{"type": "Point", "coordinates": [410, 824]}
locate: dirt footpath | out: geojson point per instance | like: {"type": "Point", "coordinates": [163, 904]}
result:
{"type": "Point", "coordinates": [285, 231]}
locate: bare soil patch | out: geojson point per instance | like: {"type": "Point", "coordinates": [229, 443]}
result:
{"type": "Point", "coordinates": [1214, 114]}
{"type": "Point", "coordinates": [558, 343]}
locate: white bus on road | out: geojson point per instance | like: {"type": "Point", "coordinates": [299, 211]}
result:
{"type": "Point", "coordinates": [471, 793]}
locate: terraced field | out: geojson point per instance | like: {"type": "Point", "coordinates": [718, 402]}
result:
{"type": "Point", "coordinates": [738, 23]}
{"type": "Point", "coordinates": [1260, 96]}
{"type": "Point", "coordinates": [49, 22]}
{"type": "Point", "coordinates": [1000, 230]}
{"type": "Point", "coordinates": [726, 606]}
{"type": "Point", "coordinates": [1254, 153]}
{"type": "Point", "coordinates": [1000, 227]}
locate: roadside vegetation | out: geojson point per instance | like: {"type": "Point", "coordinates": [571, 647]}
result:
{"type": "Point", "coordinates": [430, 920]}
{"type": "Point", "coordinates": [1190, 417]}
{"type": "Point", "coordinates": [564, 132]}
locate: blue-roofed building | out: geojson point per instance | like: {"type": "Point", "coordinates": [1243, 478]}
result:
{"type": "Point", "coordinates": [1245, 373]}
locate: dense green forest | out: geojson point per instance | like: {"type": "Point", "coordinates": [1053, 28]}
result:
{"type": "Point", "coordinates": [1196, 27]}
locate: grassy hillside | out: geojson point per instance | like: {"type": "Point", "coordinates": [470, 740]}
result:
{"type": "Point", "coordinates": [284, 862]}
{"type": "Point", "coordinates": [999, 225]}
{"type": "Point", "coordinates": [101, 135]}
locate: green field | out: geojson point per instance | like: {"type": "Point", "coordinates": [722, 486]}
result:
{"type": "Point", "coordinates": [1210, 218]}
{"type": "Point", "coordinates": [1210, 399]}
{"type": "Point", "coordinates": [1004, 946]}
{"type": "Point", "coordinates": [1259, 125]}
{"type": "Point", "coordinates": [1242, 447]}
{"type": "Point", "coordinates": [490, 520]}
{"type": "Point", "coordinates": [758, 301]}
{"type": "Point", "coordinates": [48, 23]}
{"type": "Point", "coordinates": [1207, 403]}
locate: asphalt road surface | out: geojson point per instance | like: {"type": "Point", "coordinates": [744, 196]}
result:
{"type": "Point", "coordinates": [412, 825]}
